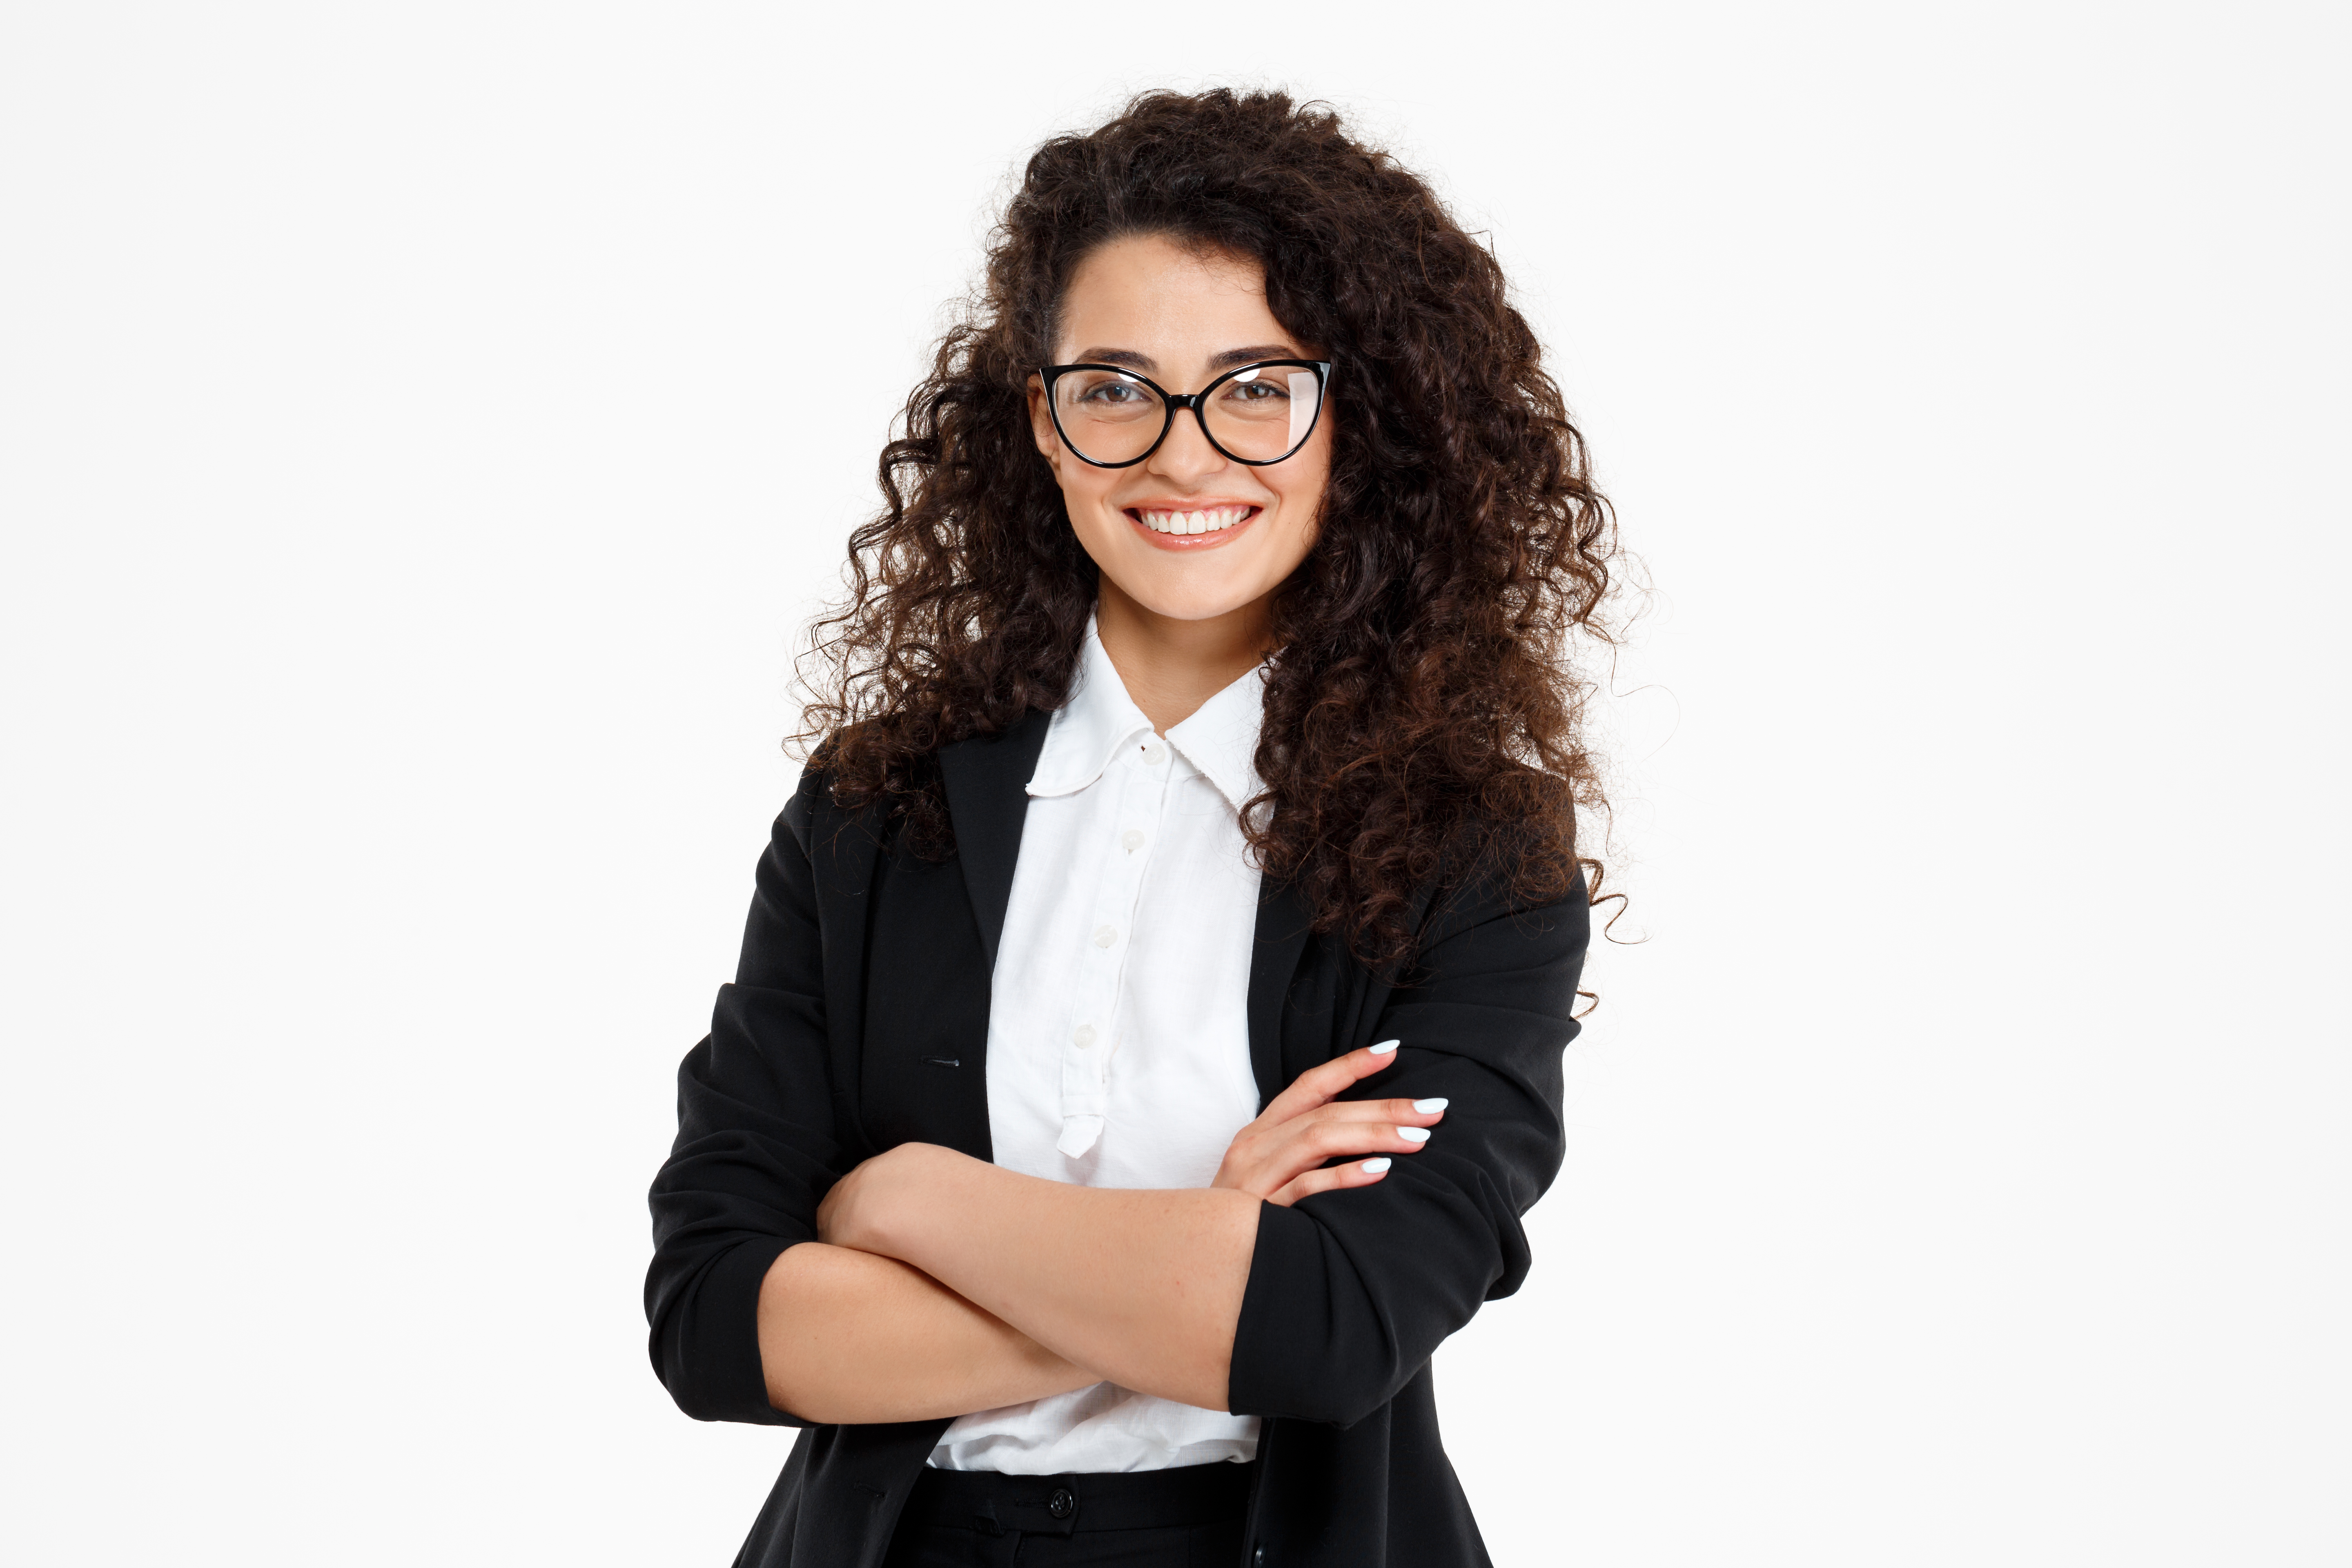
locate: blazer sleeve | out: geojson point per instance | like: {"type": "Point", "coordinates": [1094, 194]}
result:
{"type": "Point", "coordinates": [1350, 1291]}
{"type": "Point", "coordinates": [756, 1149]}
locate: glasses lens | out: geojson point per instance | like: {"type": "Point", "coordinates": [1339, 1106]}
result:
{"type": "Point", "coordinates": [1107, 418]}
{"type": "Point", "coordinates": [1264, 413]}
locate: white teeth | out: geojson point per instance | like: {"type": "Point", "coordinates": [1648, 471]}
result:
{"type": "Point", "coordinates": [1207, 520]}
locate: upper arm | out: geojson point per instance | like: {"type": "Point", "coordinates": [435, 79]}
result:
{"type": "Point", "coordinates": [756, 1148]}
{"type": "Point", "coordinates": [1351, 1290]}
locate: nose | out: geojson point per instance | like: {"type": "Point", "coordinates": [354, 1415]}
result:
{"type": "Point", "coordinates": [1186, 455]}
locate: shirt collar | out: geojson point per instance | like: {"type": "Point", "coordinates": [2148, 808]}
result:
{"type": "Point", "coordinates": [1220, 738]}
{"type": "Point", "coordinates": [1088, 730]}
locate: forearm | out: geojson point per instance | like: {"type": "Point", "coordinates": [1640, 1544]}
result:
{"type": "Point", "coordinates": [851, 1336]}
{"type": "Point", "coordinates": [1144, 1286]}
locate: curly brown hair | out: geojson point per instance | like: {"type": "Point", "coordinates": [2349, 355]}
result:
{"type": "Point", "coordinates": [1420, 697]}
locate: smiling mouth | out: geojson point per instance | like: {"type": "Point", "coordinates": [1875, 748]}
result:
{"type": "Point", "coordinates": [1206, 520]}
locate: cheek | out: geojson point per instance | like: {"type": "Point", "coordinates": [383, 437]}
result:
{"type": "Point", "coordinates": [1302, 495]}
{"type": "Point", "coordinates": [1085, 493]}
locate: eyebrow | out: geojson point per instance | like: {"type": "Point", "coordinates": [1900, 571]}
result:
{"type": "Point", "coordinates": [1225, 360]}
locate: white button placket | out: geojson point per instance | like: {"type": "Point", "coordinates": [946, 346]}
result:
{"type": "Point", "coordinates": [1140, 772]}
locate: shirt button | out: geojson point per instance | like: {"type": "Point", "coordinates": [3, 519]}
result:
{"type": "Point", "coordinates": [1105, 936]}
{"type": "Point", "coordinates": [1131, 840]}
{"type": "Point", "coordinates": [1154, 752]}
{"type": "Point", "coordinates": [1083, 1035]}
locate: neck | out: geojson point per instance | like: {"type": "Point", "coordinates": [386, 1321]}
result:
{"type": "Point", "coordinates": [1171, 667]}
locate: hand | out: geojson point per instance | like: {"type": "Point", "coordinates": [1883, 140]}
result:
{"type": "Point", "coordinates": [856, 1211]}
{"type": "Point", "coordinates": [1279, 1157]}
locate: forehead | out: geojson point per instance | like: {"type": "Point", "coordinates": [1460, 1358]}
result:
{"type": "Point", "coordinates": [1176, 304]}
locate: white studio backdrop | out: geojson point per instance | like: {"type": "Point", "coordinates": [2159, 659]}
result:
{"type": "Point", "coordinates": [425, 428]}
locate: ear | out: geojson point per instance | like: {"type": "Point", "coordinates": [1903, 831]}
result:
{"type": "Point", "coordinates": [1040, 425]}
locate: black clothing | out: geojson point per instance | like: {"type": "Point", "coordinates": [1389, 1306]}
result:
{"type": "Point", "coordinates": [1193, 1516]}
{"type": "Point", "coordinates": [858, 1021]}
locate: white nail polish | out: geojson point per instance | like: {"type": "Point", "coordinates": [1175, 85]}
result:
{"type": "Point", "coordinates": [1425, 1106]}
{"type": "Point", "coordinates": [1385, 1046]}
{"type": "Point", "coordinates": [1374, 1167]}
{"type": "Point", "coordinates": [1414, 1134]}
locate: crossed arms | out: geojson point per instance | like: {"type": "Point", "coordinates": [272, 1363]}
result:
{"type": "Point", "coordinates": [793, 1284]}
{"type": "Point", "coordinates": [939, 1282]}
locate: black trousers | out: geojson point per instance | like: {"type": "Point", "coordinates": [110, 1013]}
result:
{"type": "Point", "coordinates": [1190, 1517]}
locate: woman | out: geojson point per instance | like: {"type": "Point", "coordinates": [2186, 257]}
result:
{"type": "Point", "coordinates": [1148, 1034]}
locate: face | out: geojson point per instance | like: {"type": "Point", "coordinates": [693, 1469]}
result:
{"type": "Point", "coordinates": [1188, 533]}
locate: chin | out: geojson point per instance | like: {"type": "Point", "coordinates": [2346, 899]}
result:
{"type": "Point", "coordinates": [1189, 601]}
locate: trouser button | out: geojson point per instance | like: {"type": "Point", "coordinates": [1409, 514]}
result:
{"type": "Point", "coordinates": [1061, 1504]}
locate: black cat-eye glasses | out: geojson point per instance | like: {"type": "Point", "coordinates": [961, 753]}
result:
{"type": "Point", "coordinates": [1257, 414]}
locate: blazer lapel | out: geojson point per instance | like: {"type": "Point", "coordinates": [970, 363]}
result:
{"type": "Point", "coordinates": [843, 849]}
{"type": "Point", "coordinates": [987, 779]}
{"type": "Point", "coordinates": [1282, 929]}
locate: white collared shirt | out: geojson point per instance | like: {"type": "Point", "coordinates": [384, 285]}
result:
{"type": "Point", "coordinates": [1118, 1030]}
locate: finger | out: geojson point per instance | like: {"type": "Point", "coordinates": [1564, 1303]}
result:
{"type": "Point", "coordinates": [1312, 1145]}
{"type": "Point", "coordinates": [1321, 1139]}
{"type": "Point", "coordinates": [1330, 1178]}
{"type": "Point", "coordinates": [1318, 1083]}
{"type": "Point", "coordinates": [1414, 1113]}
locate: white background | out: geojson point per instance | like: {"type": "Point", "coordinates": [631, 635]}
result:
{"type": "Point", "coordinates": [425, 427]}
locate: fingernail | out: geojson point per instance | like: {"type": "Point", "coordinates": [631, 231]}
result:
{"type": "Point", "coordinates": [1427, 1105]}
{"type": "Point", "coordinates": [1374, 1167]}
{"type": "Point", "coordinates": [1385, 1046]}
{"type": "Point", "coordinates": [1414, 1134]}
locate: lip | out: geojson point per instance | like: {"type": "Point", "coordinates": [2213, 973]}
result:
{"type": "Point", "coordinates": [1182, 543]}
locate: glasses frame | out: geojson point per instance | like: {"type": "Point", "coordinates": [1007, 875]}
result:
{"type": "Point", "coordinates": [1173, 403]}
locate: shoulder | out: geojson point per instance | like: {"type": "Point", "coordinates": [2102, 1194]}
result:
{"type": "Point", "coordinates": [794, 821]}
{"type": "Point", "coordinates": [1512, 880]}
{"type": "Point", "coordinates": [813, 796]}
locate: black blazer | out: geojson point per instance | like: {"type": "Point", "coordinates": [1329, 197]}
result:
{"type": "Point", "coordinates": [858, 1021]}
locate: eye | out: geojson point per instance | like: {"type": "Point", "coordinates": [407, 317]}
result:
{"type": "Point", "coordinates": [1111, 393]}
{"type": "Point", "coordinates": [1253, 391]}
